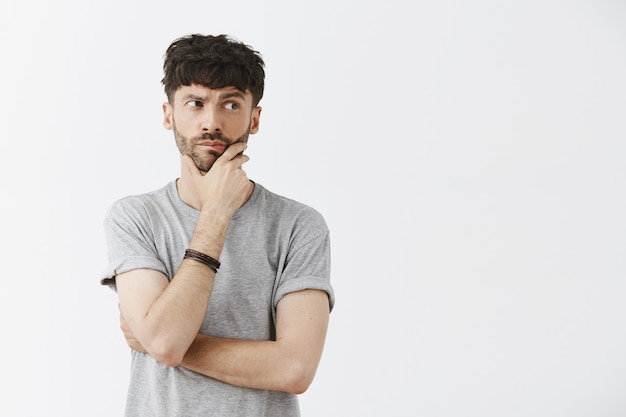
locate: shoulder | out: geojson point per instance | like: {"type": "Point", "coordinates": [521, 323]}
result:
{"type": "Point", "coordinates": [138, 205]}
{"type": "Point", "coordinates": [290, 216]}
{"type": "Point", "coordinates": [288, 206]}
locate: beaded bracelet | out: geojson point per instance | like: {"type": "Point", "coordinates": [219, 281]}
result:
{"type": "Point", "coordinates": [212, 263]}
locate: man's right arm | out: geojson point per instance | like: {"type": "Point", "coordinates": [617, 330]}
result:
{"type": "Point", "coordinates": [166, 317]}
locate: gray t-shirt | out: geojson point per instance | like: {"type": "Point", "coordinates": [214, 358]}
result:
{"type": "Point", "coordinates": [273, 246]}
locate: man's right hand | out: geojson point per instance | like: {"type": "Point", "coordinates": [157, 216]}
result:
{"type": "Point", "coordinates": [226, 186]}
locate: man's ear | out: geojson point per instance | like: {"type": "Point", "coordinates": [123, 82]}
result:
{"type": "Point", "coordinates": [168, 121]}
{"type": "Point", "coordinates": [254, 120]}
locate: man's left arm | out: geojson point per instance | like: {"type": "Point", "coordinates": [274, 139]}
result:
{"type": "Point", "coordinates": [287, 364]}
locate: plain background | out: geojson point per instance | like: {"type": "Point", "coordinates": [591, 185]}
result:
{"type": "Point", "coordinates": [469, 158]}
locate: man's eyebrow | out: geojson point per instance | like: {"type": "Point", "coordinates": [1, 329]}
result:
{"type": "Point", "coordinates": [224, 96]}
{"type": "Point", "coordinates": [233, 94]}
{"type": "Point", "coordinates": [194, 97]}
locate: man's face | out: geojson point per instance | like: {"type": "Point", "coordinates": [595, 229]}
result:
{"type": "Point", "coordinates": [206, 121]}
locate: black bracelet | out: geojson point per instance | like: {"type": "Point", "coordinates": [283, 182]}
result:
{"type": "Point", "coordinates": [205, 259]}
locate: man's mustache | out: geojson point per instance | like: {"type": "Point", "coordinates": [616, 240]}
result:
{"type": "Point", "coordinates": [214, 136]}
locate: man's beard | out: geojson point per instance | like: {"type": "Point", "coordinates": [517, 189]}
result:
{"type": "Point", "coordinates": [203, 161]}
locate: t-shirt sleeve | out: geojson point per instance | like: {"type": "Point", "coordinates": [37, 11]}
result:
{"type": "Point", "coordinates": [130, 240]}
{"type": "Point", "coordinates": [307, 265]}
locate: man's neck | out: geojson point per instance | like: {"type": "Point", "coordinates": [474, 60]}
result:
{"type": "Point", "coordinates": [187, 193]}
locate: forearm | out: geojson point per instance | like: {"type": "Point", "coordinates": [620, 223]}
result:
{"type": "Point", "coordinates": [287, 364]}
{"type": "Point", "coordinates": [175, 317]}
{"type": "Point", "coordinates": [268, 365]}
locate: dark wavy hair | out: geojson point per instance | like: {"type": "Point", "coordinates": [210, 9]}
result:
{"type": "Point", "coordinates": [213, 62]}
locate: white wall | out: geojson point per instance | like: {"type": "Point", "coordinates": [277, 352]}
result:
{"type": "Point", "coordinates": [468, 156]}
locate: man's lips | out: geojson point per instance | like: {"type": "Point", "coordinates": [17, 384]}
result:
{"type": "Point", "coordinates": [215, 145]}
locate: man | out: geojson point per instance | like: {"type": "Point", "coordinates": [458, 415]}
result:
{"type": "Point", "coordinates": [224, 287]}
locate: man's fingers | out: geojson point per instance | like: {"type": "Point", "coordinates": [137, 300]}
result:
{"type": "Point", "coordinates": [241, 159]}
{"type": "Point", "coordinates": [233, 150]}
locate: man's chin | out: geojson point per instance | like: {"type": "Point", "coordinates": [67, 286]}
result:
{"type": "Point", "coordinates": [203, 168]}
{"type": "Point", "coordinates": [204, 164]}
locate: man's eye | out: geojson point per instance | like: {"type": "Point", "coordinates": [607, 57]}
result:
{"type": "Point", "coordinates": [232, 105]}
{"type": "Point", "coordinates": [194, 103]}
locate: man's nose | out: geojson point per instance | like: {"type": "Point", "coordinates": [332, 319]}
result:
{"type": "Point", "coordinates": [211, 120]}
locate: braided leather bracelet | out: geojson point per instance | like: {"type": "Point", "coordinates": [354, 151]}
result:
{"type": "Point", "coordinates": [205, 259]}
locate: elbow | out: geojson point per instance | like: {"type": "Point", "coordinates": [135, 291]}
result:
{"type": "Point", "coordinates": [169, 360]}
{"type": "Point", "coordinates": [298, 378]}
{"type": "Point", "coordinates": [298, 388]}
{"type": "Point", "coordinates": [167, 354]}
